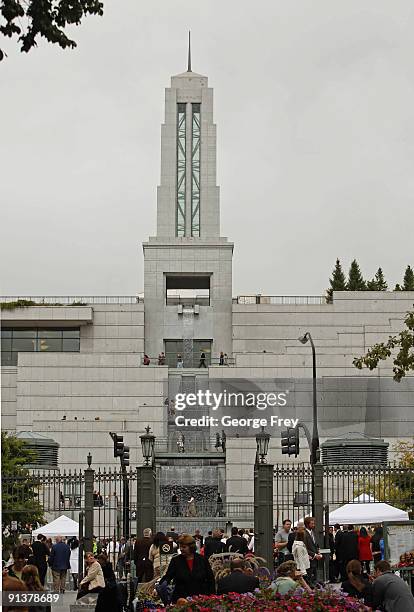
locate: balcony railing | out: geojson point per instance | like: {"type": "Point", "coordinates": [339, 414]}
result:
{"type": "Point", "coordinates": [171, 361]}
{"type": "Point", "coordinates": [236, 510]}
{"type": "Point", "coordinates": [190, 444]}
{"type": "Point", "coordinates": [280, 299]}
{"type": "Point", "coordinates": [73, 300]}
{"type": "Point", "coordinates": [177, 300]}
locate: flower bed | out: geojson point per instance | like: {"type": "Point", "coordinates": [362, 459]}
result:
{"type": "Point", "coordinates": [320, 600]}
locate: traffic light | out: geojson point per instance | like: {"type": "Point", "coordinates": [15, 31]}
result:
{"type": "Point", "coordinates": [118, 445]}
{"type": "Point", "coordinates": [125, 456]}
{"type": "Point", "coordinates": [290, 442]}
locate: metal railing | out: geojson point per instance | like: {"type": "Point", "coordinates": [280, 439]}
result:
{"type": "Point", "coordinates": [280, 299]}
{"type": "Point", "coordinates": [177, 300]}
{"type": "Point", "coordinates": [170, 360]}
{"type": "Point", "coordinates": [190, 444]}
{"type": "Point", "coordinates": [236, 510]}
{"type": "Point", "coordinates": [341, 485]}
{"type": "Point", "coordinates": [73, 300]}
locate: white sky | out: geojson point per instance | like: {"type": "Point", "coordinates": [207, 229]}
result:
{"type": "Point", "coordinates": [314, 104]}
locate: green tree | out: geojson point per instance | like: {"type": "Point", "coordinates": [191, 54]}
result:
{"type": "Point", "coordinates": [408, 281]}
{"type": "Point", "coordinates": [403, 343]}
{"type": "Point", "coordinates": [20, 499]}
{"type": "Point", "coordinates": [337, 281]}
{"type": "Point", "coordinates": [29, 19]}
{"type": "Point", "coordinates": [378, 283]}
{"type": "Point", "coordinates": [396, 487]}
{"type": "Point", "coordinates": [355, 279]}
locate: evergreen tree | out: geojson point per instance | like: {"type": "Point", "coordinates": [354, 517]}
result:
{"type": "Point", "coordinates": [408, 279]}
{"type": "Point", "coordinates": [337, 281]}
{"type": "Point", "coordinates": [378, 283]}
{"type": "Point", "coordinates": [355, 279]}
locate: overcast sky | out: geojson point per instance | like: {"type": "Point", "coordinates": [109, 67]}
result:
{"type": "Point", "coordinates": [314, 106]}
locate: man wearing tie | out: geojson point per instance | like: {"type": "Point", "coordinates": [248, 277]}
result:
{"type": "Point", "coordinates": [312, 548]}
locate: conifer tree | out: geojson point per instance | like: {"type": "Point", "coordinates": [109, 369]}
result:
{"type": "Point", "coordinates": [337, 281]}
{"type": "Point", "coordinates": [408, 279]}
{"type": "Point", "coordinates": [355, 279]}
{"type": "Point", "coordinates": [378, 283]}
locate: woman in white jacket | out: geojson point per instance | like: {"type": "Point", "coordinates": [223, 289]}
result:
{"type": "Point", "coordinates": [300, 553]}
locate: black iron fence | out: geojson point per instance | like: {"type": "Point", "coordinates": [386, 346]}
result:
{"type": "Point", "coordinates": [107, 499]}
{"type": "Point", "coordinates": [342, 484]}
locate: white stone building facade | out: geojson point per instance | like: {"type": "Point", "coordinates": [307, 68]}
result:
{"type": "Point", "coordinates": [98, 383]}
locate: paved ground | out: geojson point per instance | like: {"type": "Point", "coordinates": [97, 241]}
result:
{"type": "Point", "coordinates": [69, 597]}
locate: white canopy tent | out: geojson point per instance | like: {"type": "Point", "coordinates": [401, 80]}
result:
{"type": "Point", "coordinates": [366, 510]}
{"type": "Point", "coordinates": [63, 526]}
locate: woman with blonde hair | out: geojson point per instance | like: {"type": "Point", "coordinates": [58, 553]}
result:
{"type": "Point", "coordinates": [94, 581]}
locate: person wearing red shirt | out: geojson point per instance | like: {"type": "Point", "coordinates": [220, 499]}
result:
{"type": "Point", "coordinates": [364, 548]}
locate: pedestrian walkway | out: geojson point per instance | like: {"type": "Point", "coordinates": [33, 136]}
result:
{"type": "Point", "coordinates": [69, 597]}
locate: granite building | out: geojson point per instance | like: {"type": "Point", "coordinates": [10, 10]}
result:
{"type": "Point", "coordinates": [72, 368]}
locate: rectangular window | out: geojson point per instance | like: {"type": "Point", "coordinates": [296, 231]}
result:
{"type": "Point", "coordinates": [188, 289]}
{"type": "Point", "coordinates": [195, 170]}
{"type": "Point", "coordinates": [181, 175]}
{"type": "Point", "coordinates": [15, 340]}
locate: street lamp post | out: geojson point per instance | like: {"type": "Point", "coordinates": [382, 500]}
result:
{"type": "Point", "coordinates": [146, 485]}
{"type": "Point", "coordinates": [315, 433]}
{"type": "Point", "coordinates": [317, 468]}
{"type": "Point", "coordinates": [263, 501]}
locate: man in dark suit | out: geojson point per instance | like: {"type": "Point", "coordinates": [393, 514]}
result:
{"type": "Point", "coordinates": [213, 545]}
{"type": "Point", "coordinates": [237, 581]}
{"type": "Point", "coordinates": [347, 548]}
{"type": "Point", "coordinates": [40, 555]}
{"type": "Point", "coordinates": [124, 557]}
{"type": "Point", "coordinates": [144, 568]}
{"type": "Point", "coordinates": [312, 548]}
{"type": "Point", "coordinates": [236, 543]}
{"type": "Point", "coordinates": [59, 561]}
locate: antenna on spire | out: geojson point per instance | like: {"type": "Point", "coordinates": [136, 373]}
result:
{"type": "Point", "coordinates": [189, 52]}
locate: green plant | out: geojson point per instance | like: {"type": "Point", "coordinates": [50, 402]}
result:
{"type": "Point", "coordinates": [16, 304]}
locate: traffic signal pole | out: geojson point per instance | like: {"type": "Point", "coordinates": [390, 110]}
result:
{"type": "Point", "coordinates": [122, 451]}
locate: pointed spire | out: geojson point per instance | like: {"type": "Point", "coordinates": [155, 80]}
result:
{"type": "Point", "coordinates": [189, 52]}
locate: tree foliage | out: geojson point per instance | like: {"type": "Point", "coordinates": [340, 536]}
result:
{"type": "Point", "coordinates": [28, 19]}
{"type": "Point", "coordinates": [408, 281]}
{"type": "Point", "coordinates": [378, 283]}
{"type": "Point", "coordinates": [337, 281]}
{"type": "Point", "coordinates": [396, 487]}
{"type": "Point", "coordinates": [355, 278]}
{"type": "Point", "coordinates": [403, 343]}
{"type": "Point", "coordinates": [20, 499]}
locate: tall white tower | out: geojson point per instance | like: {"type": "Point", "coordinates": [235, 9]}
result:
{"type": "Point", "coordinates": [188, 266]}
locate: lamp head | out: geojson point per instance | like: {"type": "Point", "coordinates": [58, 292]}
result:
{"type": "Point", "coordinates": [304, 338]}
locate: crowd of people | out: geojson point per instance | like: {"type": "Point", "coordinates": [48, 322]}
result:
{"type": "Point", "coordinates": [296, 555]}
{"type": "Point", "coordinates": [26, 570]}
{"type": "Point", "coordinates": [178, 565]}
